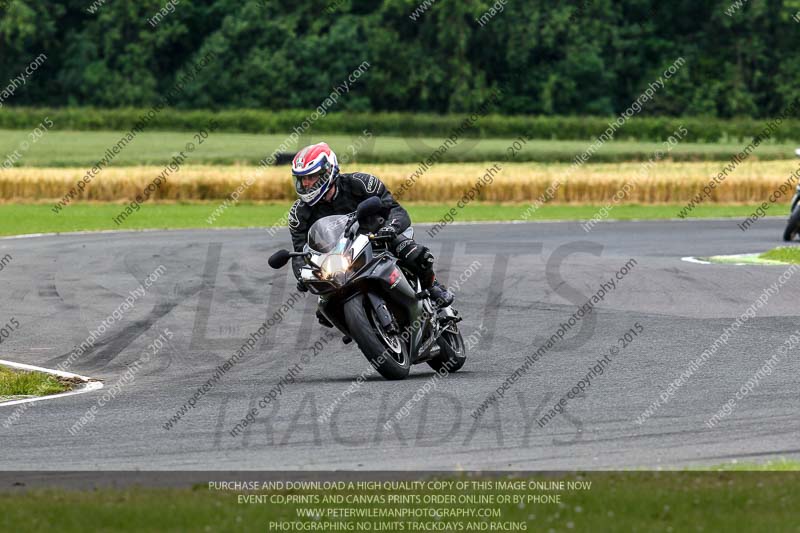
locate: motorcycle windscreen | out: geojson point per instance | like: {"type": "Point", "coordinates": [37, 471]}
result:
{"type": "Point", "coordinates": [326, 232]}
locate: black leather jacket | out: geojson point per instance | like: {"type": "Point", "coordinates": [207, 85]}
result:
{"type": "Point", "coordinates": [351, 189]}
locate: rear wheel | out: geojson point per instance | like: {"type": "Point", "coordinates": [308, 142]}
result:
{"type": "Point", "coordinates": [386, 351]}
{"type": "Point", "coordinates": [452, 352]}
{"type": "Point", "coordinates": [793, 226]}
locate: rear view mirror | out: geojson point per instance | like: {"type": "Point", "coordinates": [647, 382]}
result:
{"type": "Point", "coordinates": [279, 259]}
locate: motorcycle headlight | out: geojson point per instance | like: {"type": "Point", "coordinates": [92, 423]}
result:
{"type": "Point", "coordinates": [333, 264]}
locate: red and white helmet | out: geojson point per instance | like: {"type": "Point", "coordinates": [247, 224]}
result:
{"type": "Point", "coordinates": [316, 160]}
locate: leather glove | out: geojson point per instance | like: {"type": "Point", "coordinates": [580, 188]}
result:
{"type": "Point", "coordinates": [387, 231]}
{"type": "Point", "coordinates": [301, 286]}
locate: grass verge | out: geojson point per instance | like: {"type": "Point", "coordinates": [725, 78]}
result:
{"type": "Point", "coordinates": [784, 254]}
{"type": "Point", "coordinates": [15, 382]}
{"type": "Point", "coordinates": [38, 218]}
{"type": "Point", "coordinates": [778, 465]}
{"type": "Point", "coordinates": [628, 501]}
{"type": "Point", "coordinates": [84, 148]}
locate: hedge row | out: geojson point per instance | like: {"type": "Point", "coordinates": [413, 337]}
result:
{"type": "Point", "coordinates": [402, 124]}
{"type": "Point", "coordinates": [544, 157]}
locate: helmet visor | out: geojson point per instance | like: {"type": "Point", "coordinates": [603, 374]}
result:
{"type": "Point", "coordinates": [311, 183]}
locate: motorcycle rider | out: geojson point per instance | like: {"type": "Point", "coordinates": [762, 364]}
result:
{"type": "Point", "coordinates": [324, 191]}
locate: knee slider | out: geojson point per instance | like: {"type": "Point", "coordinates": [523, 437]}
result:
{"type": "Point", "coordinates": [425, 259]}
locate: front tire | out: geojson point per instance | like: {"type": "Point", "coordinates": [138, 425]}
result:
{"type": "Point", "coordinates": [388, 353]}
{"type": "Point", "coordinates": [793, 226]}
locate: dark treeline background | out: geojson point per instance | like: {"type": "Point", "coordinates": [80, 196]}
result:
{"type": "Point", "coordinates": [590, 57]}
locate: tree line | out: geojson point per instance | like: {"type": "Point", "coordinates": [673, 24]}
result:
{"type": "Point", "coordinates": [574, 58]}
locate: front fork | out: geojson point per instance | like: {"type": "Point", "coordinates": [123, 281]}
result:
{"type": "Point", "coordinates": [387, 320]}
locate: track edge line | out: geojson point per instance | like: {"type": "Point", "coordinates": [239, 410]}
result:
{"type": "Point", "coordinates": [89, 384]}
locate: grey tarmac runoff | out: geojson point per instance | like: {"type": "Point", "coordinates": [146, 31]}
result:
{"type": "Point", "coordinates": [524, 281]}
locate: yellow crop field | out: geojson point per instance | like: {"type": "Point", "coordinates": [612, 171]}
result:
{"type": "Point", "coordinates": [664, 182]}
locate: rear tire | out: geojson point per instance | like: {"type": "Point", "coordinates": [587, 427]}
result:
{"type": "Point", "coordinates": [368, 334]}
{"type": "Point", "coordinates": [793, 226]}
{"type": "Point", "coordinates": [452, 353]}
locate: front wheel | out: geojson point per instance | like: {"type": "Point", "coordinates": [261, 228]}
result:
{"type": "Point", "coordinates": [452, 352]}
{"type": "Point", "coordinates": [793, 226]}
{"type": "Point", "coordinates": [387, 352]}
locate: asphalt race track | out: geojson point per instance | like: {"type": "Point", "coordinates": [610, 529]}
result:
{"type": "Point", "coordinates": [529, 278]}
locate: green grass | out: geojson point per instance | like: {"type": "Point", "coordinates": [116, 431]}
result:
{"type": "Point", "coordinates": [778, 465]}
{"type": "Point", "coordinates": [629, 501]}
{"type": "Point", "coordinates": [16, 219]}
{"type": "Point", "coordinates": [85, 148]}
{"type": "Point", "coordinates": [785, 254]}
{"type": "Point", "coordinates": [20, 383]}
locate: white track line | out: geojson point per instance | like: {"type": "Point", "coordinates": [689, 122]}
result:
{"type": "Point", "coordinates": [695, 260]}
{"type": "Point", "coordinates": [89, 232]}
{"type": "Point", "coordinates": [733, 257]}
{"type": "Point", "coordinates": [88, 386]}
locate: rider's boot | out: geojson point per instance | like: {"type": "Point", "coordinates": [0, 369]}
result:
{"type": "Point", "coordinates": [440, 295]}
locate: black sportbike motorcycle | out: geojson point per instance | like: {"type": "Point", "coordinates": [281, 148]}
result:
{"type": "Point", "coordinates": [793, 226]}
{"type": "Point", "coordinates": [369, 297]}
